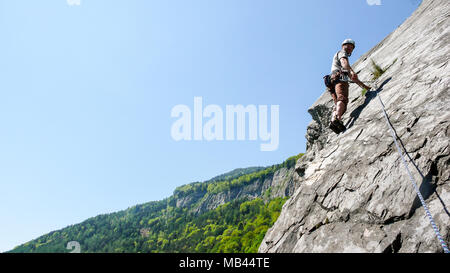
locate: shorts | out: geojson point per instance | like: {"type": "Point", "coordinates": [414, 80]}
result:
{"type": "Point", "coordinates": [341, 92]}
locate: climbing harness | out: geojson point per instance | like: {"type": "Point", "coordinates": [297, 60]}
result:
{"type": "Point", "coordinates": [345, 77]}
{"type": "Point", "coordinates": [433, 224]}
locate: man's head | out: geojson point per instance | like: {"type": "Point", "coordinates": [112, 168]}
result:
{"type": "Point", "coordinates": [348, 45]}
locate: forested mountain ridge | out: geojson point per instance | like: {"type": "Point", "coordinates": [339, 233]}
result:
{"type": "Point", "coordinates": [228, 213]}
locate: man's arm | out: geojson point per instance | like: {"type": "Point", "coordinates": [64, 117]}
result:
{"type": "Point", "coordinates": [346, 65]}
{"type": "Point", "coordinates": [353, 75]}
{"type": "Point", "coordinates": [361, 84]}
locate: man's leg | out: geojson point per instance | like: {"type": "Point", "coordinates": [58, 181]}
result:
{"type": "Point", "coordinates": [333, 95]}
{"type": "Point", "coordinates": [332, 126]}
{"type": "Point", "coordinates": [340, 109]}
{"type": "Point", "coordinates": [342, 99]}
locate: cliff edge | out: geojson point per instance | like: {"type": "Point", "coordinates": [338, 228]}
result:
{"type": "Point", "coordinates": [354, 193]}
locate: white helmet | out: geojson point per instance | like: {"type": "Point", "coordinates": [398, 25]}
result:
{"type": "Point", "coordinates": [349, 41]}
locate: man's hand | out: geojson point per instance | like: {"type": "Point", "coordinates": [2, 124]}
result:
{"type": "Point", "coordinates": [353, 76]}
{"type": "Point", "coordinates": [361, 84]}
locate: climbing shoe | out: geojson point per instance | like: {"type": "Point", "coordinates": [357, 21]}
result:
{"type": "Point", "coordinates": [339, 125]}
{"type": "Point", "coordinates": [334, 128]}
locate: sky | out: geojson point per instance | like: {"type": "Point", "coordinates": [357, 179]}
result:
{"type": "Point", "coordinates": [87, 88]}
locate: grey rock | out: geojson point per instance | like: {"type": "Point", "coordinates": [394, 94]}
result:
{"type": "Point", "coordinates": [353, 193]}
{"type": "Point", "coordinates": [281, 184]}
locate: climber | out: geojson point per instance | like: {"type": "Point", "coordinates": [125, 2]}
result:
{"type": "Point", "coordinates": [340, 72]}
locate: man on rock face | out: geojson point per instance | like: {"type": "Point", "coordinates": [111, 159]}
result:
{"type": "Point", "coordinates": [340, 73]}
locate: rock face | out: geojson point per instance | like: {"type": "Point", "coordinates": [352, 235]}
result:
{"type": "Point", "coordinates": [280, 184]}
{"type": "Point", "coordinates": [354, 194]}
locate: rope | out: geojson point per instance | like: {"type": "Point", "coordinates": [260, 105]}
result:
{"type": "Point", "coordinates": [433, 224]}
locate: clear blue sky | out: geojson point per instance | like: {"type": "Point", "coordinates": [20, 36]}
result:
{"type": "Point", "coordinates": [86, 94]}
